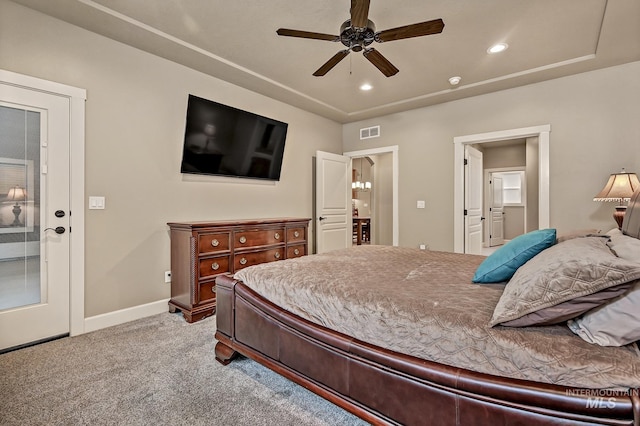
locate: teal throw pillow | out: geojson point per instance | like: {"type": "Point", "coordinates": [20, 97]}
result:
{"type": "Point", "coordinates": [504, 262]}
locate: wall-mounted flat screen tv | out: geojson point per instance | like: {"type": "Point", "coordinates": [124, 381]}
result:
{"type": "Point", "coordinates": [225, 141]}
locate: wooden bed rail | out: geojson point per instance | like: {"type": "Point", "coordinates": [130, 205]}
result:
{"type": "Point", "coordinates": [385, 387]}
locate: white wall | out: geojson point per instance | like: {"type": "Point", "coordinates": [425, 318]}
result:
{"type": "Point", "coordinates": [594, 132]}
{"type": "Point", "coordinates": [135, 112]}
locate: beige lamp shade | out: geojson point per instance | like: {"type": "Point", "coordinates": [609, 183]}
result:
{"type": "Point", "coordinates": [16, 194]}
{"type": "Point", "coordinates": [620, 187]}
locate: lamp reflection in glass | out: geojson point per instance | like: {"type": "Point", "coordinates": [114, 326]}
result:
{"type": "Point", "coordinates": [619, 188]}
{"type": "Point", "coordinates": [17, 194]}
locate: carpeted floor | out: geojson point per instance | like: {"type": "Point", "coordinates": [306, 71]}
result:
{"type": "Point", "coordinates": [154, 371]}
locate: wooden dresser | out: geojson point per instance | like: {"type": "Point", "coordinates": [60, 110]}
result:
{"type": "Point", "coordinates": [200, 251]}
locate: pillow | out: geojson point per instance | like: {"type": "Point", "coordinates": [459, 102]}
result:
{"type": "Point", "coordinates": [571, 269]}
{"type": "Point", "coordinates": [570, 309]}
{"type": "Point", "coordinates": [616, 323]}
{"type": "Point", "coordinates": [501, 264]}
{"type": "Point", "coordinates": [577, 233]}
{"type": "Point", "coordinates": [624, 246]}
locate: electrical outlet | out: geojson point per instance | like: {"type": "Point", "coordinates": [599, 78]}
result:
{"type": "Point", "coordinates": [423, 247]}
{"type": "Point", "coordinates": [167, 276]}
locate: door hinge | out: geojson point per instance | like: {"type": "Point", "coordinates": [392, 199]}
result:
{"type": "Point", "coordinates": [465, 212]}
{"type": "Point", "coordinates": [466, 162]}
{"type": "Point", "coordinates": [490, 209]}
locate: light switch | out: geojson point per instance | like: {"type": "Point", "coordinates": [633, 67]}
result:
{"type": "Point", "coordinates": [421, 204]}
{"type": "Point", "coordinates": [96, 203]}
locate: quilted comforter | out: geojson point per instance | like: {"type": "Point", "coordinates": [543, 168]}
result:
{"type": "Point", "coordinates": [422, 303]}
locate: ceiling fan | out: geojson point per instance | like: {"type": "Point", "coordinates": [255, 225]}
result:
{"type": "Point", "coordinates": [359, 32]}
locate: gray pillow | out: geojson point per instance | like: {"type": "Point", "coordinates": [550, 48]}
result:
{"type": "Point", "coordinates": [624, 246]}
{"type": "Point", "coordinates": [616, 323]}
{"type": "Point", "coordinates": [569, 270]}
{"type": "Point", "coordinates": [576, 233]}
{"type": "Point", "coordinates": [570, 309]}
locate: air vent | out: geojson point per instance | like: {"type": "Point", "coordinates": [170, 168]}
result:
{"type": "Point", "coordinates": [370, 132]}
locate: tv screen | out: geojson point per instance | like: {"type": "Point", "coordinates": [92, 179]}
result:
{"type": "Point", "coordinates": [226, 141]}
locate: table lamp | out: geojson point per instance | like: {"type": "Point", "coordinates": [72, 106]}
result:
{"type": "Point", "coordinates": [619, 188]}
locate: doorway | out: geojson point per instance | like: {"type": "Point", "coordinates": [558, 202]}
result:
{"type": "Point", "coordinates": [383, 202]}
{"type": "Point", "coordinates": [506, 206]}
{"type": "Point", "coordinates": [42, 289]}
{"type": "Point", "coordinates": [542, 171]}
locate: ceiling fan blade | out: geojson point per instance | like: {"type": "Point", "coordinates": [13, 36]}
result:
{"type": "Point", "coordinates": [380, 62]}
{"type": "Point", "coordinates": [408, 31]}
{"type": "Point", "coordinates": [307, 34]}
{"type": "Point", "coordinates": [359, 13]}
{"type": "Point", "coordinates": [331, 63]}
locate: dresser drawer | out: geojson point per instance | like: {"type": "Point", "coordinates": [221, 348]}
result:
{"type": "Point", "coordinates": [296, 251]}
{"type": "Point", "coordinates": [256, 238]}
{"type": "Point", "coordinates": [207, 292]}
{"type": "Point", "coordinates": [214, 242]}
{"type": "Point", "coordinates": [211, 266]}
{"type": "Point", "coordinates": [296, 234]}
{"type": "Point", "coordinates": [242, 260]}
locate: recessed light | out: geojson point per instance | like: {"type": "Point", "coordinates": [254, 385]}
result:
{"type": "Point", "coordinates": [366, 86]}
{"type": "Point", "coordinates": [455, 80]}
{"type": "Point", "coordinates": [497, 48]}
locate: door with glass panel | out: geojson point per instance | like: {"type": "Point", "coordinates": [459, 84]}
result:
{"type": "Point", "coordinates": [34, 216]}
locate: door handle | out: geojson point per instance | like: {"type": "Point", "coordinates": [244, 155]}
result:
{"type": "Point", "coordinates": [321, 218]}
{"type": "Point", "coordinates": [58, 230]}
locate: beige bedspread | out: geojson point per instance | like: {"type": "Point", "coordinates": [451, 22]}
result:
{"type": "Point", "coordinates": [422, 303]}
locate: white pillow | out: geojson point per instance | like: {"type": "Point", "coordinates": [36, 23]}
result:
{"type": "Point", "coordinates": [616, 323]}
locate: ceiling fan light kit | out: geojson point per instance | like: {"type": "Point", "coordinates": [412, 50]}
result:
{"type": "Point", "coordinates": [359, 32]}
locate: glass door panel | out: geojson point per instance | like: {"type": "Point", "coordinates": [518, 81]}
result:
{"type": "Point", "coordinates": [20, 283]}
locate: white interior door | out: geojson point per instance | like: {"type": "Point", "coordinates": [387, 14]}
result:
{"type": "Point", "coordinates": [496, 211]}
{"type": "Point", "coordinates": [34, 216]}
{"type": "Point", "coordinates": [473, 201]}
{"type": "Point", "coordinates": [333, 201]}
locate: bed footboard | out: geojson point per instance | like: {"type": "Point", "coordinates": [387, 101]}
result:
{"type": "Point", "coordinates": [385, 387]}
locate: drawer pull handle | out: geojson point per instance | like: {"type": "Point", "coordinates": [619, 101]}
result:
{"type": "Point", "coordinates": [215, 242]}
{"type": "Point", "coordinates": [215, 266]}
{"type": "Point", "coordinates": [296, 252]}
{"type": "Point", "coordinates": [277, 255]}
{"type": "Point", "coordinates": [213, 288]}
{"type": "Point", "coordinates": [243, 239]}
{"type": "Point", "coordinates": [276, 236]}
{"type": "Point", "coordinates": [243, 261]}
{"type": "Point", "coordinates": [296, 234]}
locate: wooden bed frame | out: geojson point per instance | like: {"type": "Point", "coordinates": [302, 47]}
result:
{"type": "Point", "coordinates": [386, 387]}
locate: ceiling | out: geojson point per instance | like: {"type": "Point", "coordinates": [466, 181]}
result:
{"type": "Point", "coordinates": [237, 42]}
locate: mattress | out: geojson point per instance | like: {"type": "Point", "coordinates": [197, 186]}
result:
{"type": "Point", "coordinates": [423, 304]}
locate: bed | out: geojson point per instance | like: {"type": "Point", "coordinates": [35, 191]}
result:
{"type": "Point", "coordinates": [403, 336]}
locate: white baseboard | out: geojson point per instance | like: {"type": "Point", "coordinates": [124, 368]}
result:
{"type": "Point", "coordinates": [125, 315]}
